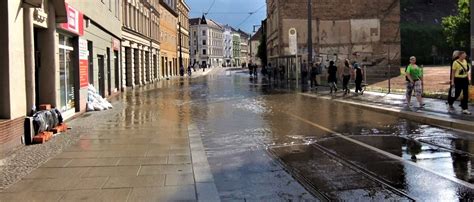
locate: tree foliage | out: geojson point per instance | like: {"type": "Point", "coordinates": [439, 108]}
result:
{"type": "Point", "coordinates": [456, 28]}
{"type": "Point", "coordinates": [262, 49]}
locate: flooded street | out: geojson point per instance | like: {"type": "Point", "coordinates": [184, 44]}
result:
{"type": "Point", "coordinates": [254, 132]}
{"type": "Point", "coordinates": [245, 139]}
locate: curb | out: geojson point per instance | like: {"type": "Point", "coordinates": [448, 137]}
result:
{"type": "Point", "coordinates": [461, 125]}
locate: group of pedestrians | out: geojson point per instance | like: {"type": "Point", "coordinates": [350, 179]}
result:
{"type": "Point", "coordinates": [349, 70]}
{"type": "Point", "coordinates": [459, 82]}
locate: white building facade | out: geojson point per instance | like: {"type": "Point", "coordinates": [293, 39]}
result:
{"type": "Point", "coordinates": [228, 46]}
{"type": "Point", "coordinates": [207, 42]}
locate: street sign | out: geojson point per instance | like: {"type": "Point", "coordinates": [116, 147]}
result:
{"type": "Point", "coordinates": [293, 43]}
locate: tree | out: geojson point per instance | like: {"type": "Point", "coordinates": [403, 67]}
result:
{"type": "Point", "coordinates": [262, 49]}
{"type": "Point", "coordinates": [456, 28]}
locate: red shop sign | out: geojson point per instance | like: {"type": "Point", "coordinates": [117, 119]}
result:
{"type": "Point", "coordinates": [75, 21]}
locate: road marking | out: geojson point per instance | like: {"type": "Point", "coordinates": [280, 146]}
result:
{"type": "Point", "coordinates": [390, 155]}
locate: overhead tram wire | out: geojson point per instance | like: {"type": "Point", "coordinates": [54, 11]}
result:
{"type": "Point", "coordinates": [250, 14]}
{"type": "Point", "coordinates": [210, 7]}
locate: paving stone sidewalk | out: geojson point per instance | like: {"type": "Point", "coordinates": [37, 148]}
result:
{"type": "Point", "coordinates": [128, 153]}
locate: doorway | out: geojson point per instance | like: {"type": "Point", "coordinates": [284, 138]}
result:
{"type": "Point", "coordinates": [109, 77]}
{"type": "Point", "coordinates": [100, 61]}
{"type": "Point", "coordinates": [117, 70]}
{"type": "Point", "coordinates": [91, 61]}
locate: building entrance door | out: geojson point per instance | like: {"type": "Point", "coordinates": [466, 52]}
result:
{"type": "Point", "coordinates": [100, 61]}
{"type": "Point", "coordinates": [117, 70]}
{"type": "Point", "coordinates": [109, 73]}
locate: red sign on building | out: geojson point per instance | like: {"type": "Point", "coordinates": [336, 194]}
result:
{"type": "Point", "coordinates": [75, 21]}
{"type": "Point", "coordinates": [83, 63]}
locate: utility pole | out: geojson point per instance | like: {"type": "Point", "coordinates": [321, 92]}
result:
{"type": "Point", "coordinates": [310, 33]}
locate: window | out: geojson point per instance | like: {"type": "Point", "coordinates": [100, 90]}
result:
{"type": "Point", "coordinates": [204, 42]}
{"type": "Point", "coordinates": [204, 32]}
{"type": "Point", "coordinates": [204, 51]}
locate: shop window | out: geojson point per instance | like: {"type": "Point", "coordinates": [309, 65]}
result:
{"type": "Point", "coordinates": [66, 73]}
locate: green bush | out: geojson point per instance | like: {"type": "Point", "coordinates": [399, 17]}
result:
{"type": "Point", "coordinates": [418, 40]}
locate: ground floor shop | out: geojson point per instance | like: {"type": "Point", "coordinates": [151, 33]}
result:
{"type": "Point", "coordinates": [169, 63]}
{"type": "Point", "coordinates": [140, 60]}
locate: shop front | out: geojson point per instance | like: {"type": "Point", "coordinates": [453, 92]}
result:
{"type": "Point", "coordinates": [70, 78]}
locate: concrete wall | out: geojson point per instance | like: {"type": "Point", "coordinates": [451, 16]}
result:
{"type": "Point", "coordinates": [16, 63]}
{"type": "Point", "coordinates": [4, 61]}
{"type": "Point", "coordinates": [101, 13]}
{"type": "Point", "coordinates": [49, 89]}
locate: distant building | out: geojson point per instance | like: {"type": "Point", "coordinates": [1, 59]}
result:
{"type": "Point", "coordinates": [368, 32]}
{"type": "Point", "coordinates": [183, 32]}
{"type": "Point", "coordinates": [140, 43]}
{"type": "Point", "coordinates": [207, 42]}
{"type": "Point", "coordinates": [228, 46]}
{"type": "Point", "coordinates": [169, 37]}
{"type": "Point", "coordinates": [254, 44]}
{"type": "Point", "coordinates": [236, 49]}
{"type": "Point", "coordinates": [244, 46]}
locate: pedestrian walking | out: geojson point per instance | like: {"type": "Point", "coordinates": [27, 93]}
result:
{"type": "Point", "coordinates": [250, 66]}
{"type": "Point", "coordinates": [346, 76]}
{"type": "Point", "coordinates": [181, 71]}
{"type": "Point", "coordinates": [332, 77]}
{"type": "Point", "coordinates": [451, 87]}
{"type": "Point", "coordinates": [415, 75]}
{"type": "Point", "coordinates": [313, 73]}
{"type": "Point", "coordinates": [189, 70]}
{"type": "Point", "coordinates": [304, 73]}
{"type": "Point", "coordinates": [460, 82]}
{"type": "Point", "coordinates": [359, 77]}
{"type": "Point", "coordinates": [281, 70]}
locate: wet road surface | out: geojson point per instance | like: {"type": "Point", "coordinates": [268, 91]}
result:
{"type": "Point", "coordinates": [246, 122]}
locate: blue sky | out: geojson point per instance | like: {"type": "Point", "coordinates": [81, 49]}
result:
{"type": "Point", "coordinates": [232, 12]}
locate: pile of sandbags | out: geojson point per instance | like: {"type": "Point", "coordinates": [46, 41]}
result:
{"type": "Point", "coordinates": [46, 120]}
{"type": "Point", "coordinates": [95, 102]}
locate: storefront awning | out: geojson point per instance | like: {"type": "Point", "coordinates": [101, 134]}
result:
{"type": "Point", "coordinates": [60, 8]}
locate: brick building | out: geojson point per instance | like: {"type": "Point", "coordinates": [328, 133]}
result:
{"type": "Point", "coordinates": [341, 28]}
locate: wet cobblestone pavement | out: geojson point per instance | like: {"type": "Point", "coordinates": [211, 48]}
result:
{"type": "Point", "coordinates": [231, 137]}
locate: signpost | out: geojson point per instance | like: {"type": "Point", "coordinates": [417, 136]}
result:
{"type": "Point", "coordinates": [293, 47]}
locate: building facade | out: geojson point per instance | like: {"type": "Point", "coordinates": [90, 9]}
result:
{"type": "Point", "coordinates": [244, 47]}
{"type": "Point", "coordinates": [183, 34]}
{"type": "Point", "coordinates": [101, 38]}
{"type": "Point", "coordinates": [228, 46]}
{"type": "Point", "coordinates": [254, 44]}
{"type": "Point", "coordinates": [140, 42]}
{"type": "Point", "coordinates": [362, 30]}
{"type": "Point", "coordinates": [236, 48]}
{"type": "Point", "coordinates": [52, 51]}
{"type": "Point", "coordinates": [207, 43]}
{"type": "Point", "coordinates": [169, 37]}
{"type": "Point", "coordinates": [29, 41]}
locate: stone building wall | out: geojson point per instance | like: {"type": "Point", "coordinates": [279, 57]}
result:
{"type": "Point", "coordinates": [341, 28]}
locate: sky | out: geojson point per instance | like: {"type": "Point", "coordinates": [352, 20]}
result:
{"type": "Point", "coordinates": [232, 12]}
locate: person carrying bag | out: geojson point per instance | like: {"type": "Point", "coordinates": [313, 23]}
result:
{"type": "Point", "coordinates": [460, 82]}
